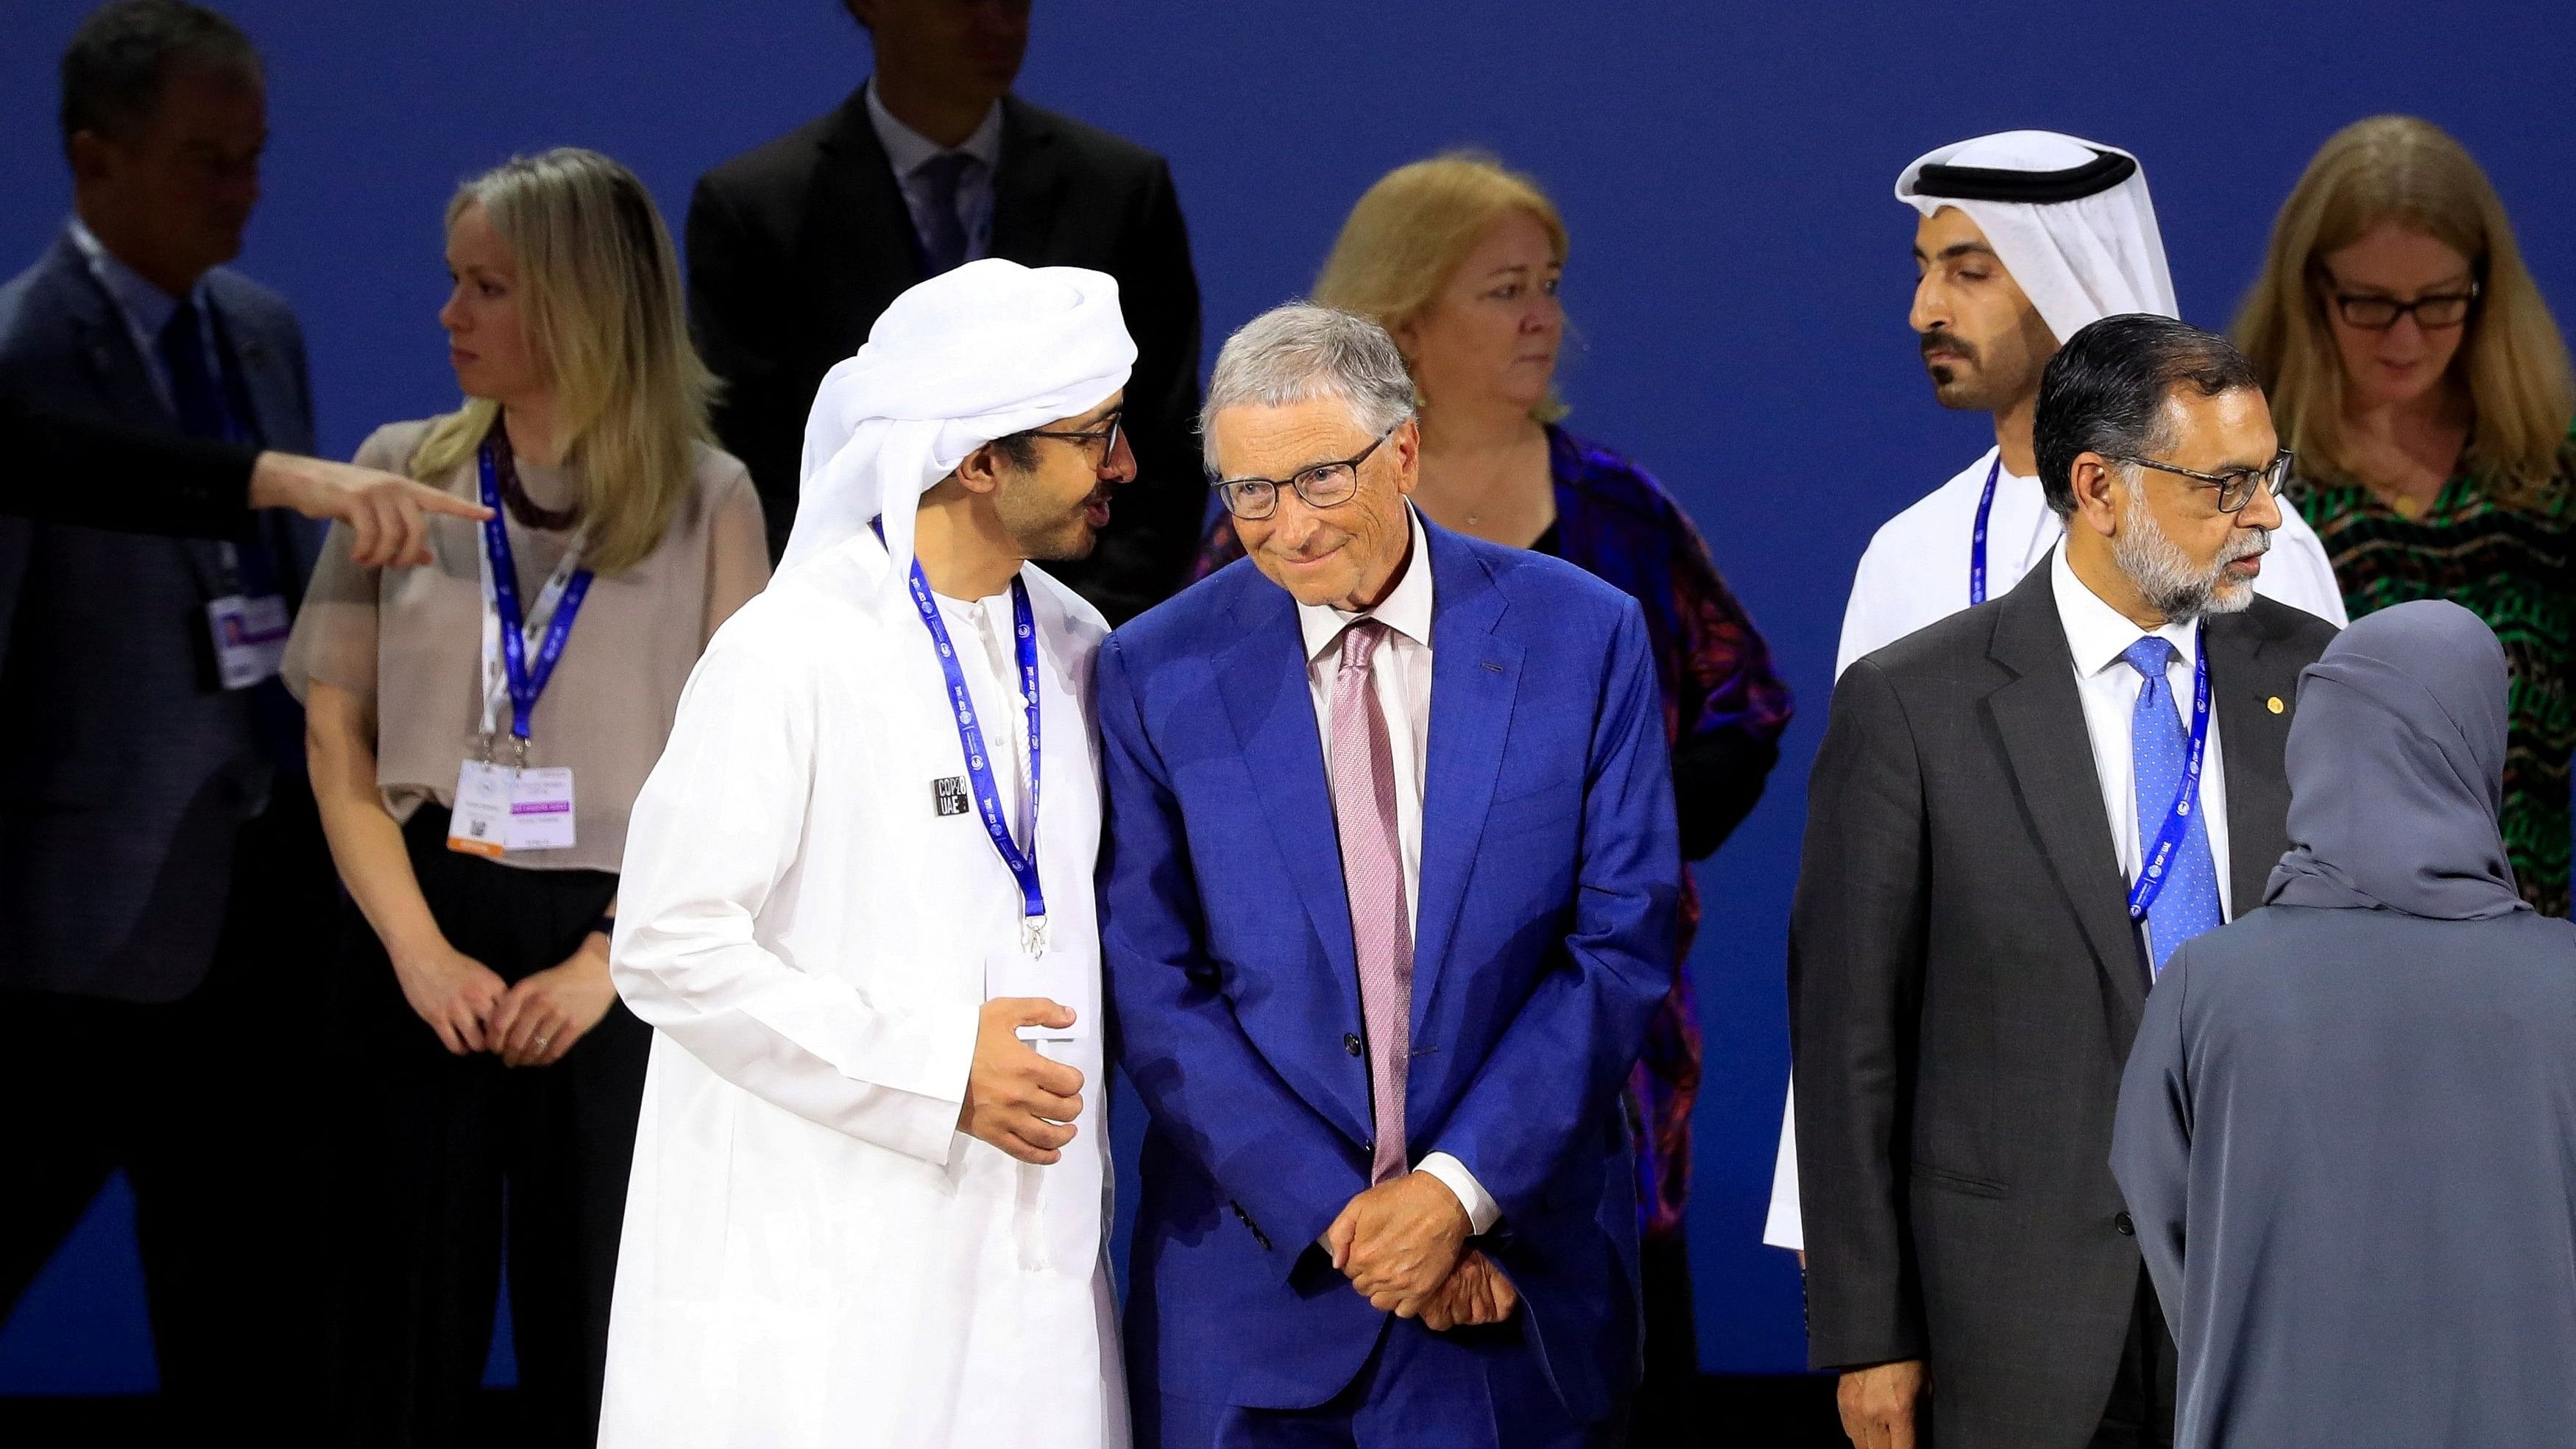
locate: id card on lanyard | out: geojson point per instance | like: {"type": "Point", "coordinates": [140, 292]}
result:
{"type": "Point", "coordinates": [504, 807]}
{"type": "Point", "coordinates": [987, 793]}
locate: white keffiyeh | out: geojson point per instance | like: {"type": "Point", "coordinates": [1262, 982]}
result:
{"type": "Point", "coordinates": [2078, 260]}
{"type": "Point", "coordinates": [983, 351]}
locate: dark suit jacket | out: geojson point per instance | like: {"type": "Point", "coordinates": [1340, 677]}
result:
{"type": "Point", "coordinates": [125, 770]}
{"type": "Point", "coordinates": [1964, 985]}
{"type": "Point", "coordinates": [131, 479]}
{"type": "Point", "coordinates": [795, 247]}
{"type": "Point", "coordinates": [1550, 872]}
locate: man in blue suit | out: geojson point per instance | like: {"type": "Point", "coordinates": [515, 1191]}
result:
{"type": "Point", "coordinates": [164, 891]}
{"type": "Point", "coordinates": [1387, 900]}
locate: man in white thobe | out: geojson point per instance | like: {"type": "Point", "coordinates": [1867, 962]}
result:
{"type": "Point", "coordinates": [868, 1203]}
{"type": "Point", "coordinates": [2022, 239]}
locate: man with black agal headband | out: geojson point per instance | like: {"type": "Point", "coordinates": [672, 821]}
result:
{"type": "Point", "coordinates": [2348, 1130]}
{"type": "Point", "coordinates": [2020, 241]}
{"type": "Point", "coordinates": [2016, 818]}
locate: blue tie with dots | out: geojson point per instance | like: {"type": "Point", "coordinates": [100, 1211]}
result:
{"type": "Point", "coordinates": [2158, 742]}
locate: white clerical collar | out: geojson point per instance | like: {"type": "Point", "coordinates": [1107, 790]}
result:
{"type": "Point", "coordinates": [2097, 634]}
{"type": "Point", "coordinates": [907, 148]}
{"type": "Point", "coordinates": [1407, 610]}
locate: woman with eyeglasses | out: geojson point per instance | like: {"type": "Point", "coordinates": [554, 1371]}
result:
{"type": "Point", "coordinates": [1459, 259]}
{"type": "Point", "coordinates": [2417, 374]}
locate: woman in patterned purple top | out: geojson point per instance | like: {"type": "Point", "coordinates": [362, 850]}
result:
{"type": "Point", "coordinates": [1458, 259]}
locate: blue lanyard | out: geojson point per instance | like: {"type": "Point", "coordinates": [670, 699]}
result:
{"type": "Point", "coordinates": [2151, 877]}
{"type": "Point", "coordinates": [1977, 545]}
{"type": "Point", "coordinates": [979, 767]}
{"type": "Point", "coordinates": [526, 681]}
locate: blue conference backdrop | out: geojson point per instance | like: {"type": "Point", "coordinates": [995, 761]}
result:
{"type": "Point", "coordinates": [1738, 288]}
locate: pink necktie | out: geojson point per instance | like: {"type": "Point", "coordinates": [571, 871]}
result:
{"type": "Point", "coordinates": [1363, 770]}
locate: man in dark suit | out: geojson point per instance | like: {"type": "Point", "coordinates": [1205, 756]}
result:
{"type": "Point", "coordinates": [1387, 898]}
{"type": "Point", "coordinates": [796, 246]}
{"type": "Point", "coordinates": [2017, 815]}
{"type": "Point", "coordinates": [163, 884]}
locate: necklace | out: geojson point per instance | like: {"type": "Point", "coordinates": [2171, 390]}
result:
{"type": "Point", "coordinates": [514, 497]}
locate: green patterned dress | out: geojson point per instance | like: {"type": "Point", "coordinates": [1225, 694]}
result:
{"type": "Point", "coordinates": [2511, 567]}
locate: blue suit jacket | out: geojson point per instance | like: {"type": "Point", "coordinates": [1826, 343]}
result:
{"type": "Point", "coordinates": [125, 774]}
{"type": "Point", "coordinates": [1550, 871]}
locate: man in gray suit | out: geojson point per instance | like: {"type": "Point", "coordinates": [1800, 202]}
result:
{"type": "Point", "coordinates": [163, 887]}
{"type": "Point", "coordinates": [2017, 815]}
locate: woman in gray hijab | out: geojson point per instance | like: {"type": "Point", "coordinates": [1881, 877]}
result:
{"type": "Point", "coordinates": [2347, 1134]}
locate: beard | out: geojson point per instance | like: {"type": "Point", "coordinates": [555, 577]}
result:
{"type": "Point", "coordinates": [2172, 584]}
{"type": "Point", "coordinates": [1052, 535]}
{"type": "Point", "coordinates": [1958, 371]}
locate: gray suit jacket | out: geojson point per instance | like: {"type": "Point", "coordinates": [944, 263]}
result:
{"type": "Point", "coordinates": [1964, 986]}
{"type": "Point", "coordinates": [125, 771]}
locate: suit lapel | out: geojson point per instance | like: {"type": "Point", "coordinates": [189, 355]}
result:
{"type": "Point", "coordinates": [267, 378]}
{"type": "Point", "coordinates": [1028, 186]}
{"type": "Point", "coordinates": [857, 233]}
{"type": "Point", "coordinates": [1475, 675]}
{"type": "Point", "coordinates": [2252, 738]}
{"type": "Point", "coordinates": [106, 344]}
{"type": "Point", "coordinates": [1262, 679]}
{"type": "Point", "coordinates": [2040, 719]}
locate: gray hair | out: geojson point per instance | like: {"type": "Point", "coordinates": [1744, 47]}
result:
{"type": "Point", "coordinates": [1299, 352]}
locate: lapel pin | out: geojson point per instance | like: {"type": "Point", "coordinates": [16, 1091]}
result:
{"type": "Point", "coordinates": [2273, 704]}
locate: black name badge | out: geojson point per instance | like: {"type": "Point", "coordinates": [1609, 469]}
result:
{"type": "Point", "coordinates": [949, 795]}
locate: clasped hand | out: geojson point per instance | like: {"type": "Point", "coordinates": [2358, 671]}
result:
{"type": "Point", "coordinates": [531, 1024]}
{"type": "Point", "coordinates": [1403, 1245]}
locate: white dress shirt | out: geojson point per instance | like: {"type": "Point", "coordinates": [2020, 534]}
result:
{"type": "Point", "coordinates": [907, 148]}
{"type": "Point", "coordinates": [1400, 671]}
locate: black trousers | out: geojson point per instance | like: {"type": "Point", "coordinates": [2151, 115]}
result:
{"type": "Point", "coordinates": [446, 1158]}
{"type": "Point", "coordinates": [212, 1107]}
{"type": "Point", "coordinates": [1667, 1409]}
{"type": "Point", "coordinates": [2141, 1412]}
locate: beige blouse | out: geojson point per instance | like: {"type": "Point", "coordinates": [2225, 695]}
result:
{"type": "Point", "coordinates": [409, 641]}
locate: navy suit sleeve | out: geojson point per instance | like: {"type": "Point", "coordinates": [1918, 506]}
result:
{"type": "Point", "coordinates": [1555, 1073]}
{"type": "Point", "coordinates": [2151, 1136]}
{"type": "Point", "coordinates": [1208, 1087]}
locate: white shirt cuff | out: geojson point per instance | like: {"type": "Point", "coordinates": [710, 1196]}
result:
{"type": "Point", "coordinates": [1482, 1211]}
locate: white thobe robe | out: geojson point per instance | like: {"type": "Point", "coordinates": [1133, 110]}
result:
{"type": "Point", "coordinates": [1915, 573]}
{"type": "Point", "coordinates": [813, 1254]}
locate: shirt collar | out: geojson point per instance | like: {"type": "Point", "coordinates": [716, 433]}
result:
{"type": "Point", "coordinates": [907, 148]}
{"type": "Point", "coordinates": [1407, 610]}
{"type": "Point", "coordinates": [2097, 634]}
{"type": "Point", "coordinates": [145, 305]}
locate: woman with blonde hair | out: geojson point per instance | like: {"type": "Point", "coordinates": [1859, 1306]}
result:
{"type": "Point", "coordinates": [1459, 259]}
{"type": "Point", "coordinates": [478, 730]}
{"type": "Point", "coordinates": [2415, 370]}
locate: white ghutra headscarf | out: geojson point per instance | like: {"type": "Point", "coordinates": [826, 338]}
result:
{"type": "Point", "coordinates": [2070, 219]}
{"type": "Point", "coordinates": [981, 352]}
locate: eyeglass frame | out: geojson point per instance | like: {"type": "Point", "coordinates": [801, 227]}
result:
{"type": "Point", "coordinates": [1108, 431]}
{"type": "Point", "coordinates": [2271, 478]}
{"type": "Point", "coordinates": [2343, 303]}
{"type": "Point", "coordinates": [1225, 487]}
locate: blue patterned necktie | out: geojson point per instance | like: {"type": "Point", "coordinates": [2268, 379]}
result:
{"type": "Point", "coordinates": [2158, 743]}
{"type": "Point", "coordinates": [943, 246]}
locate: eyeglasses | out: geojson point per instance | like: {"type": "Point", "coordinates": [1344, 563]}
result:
{"type": "Point", "coordinates": [2235, 489]}
{"type": "Point", "coordinates": [1326, 485]}
{"type": "Point", "coordinates": [1106, 435]}
{"type": "Point", "coordinates": [2378, 314]}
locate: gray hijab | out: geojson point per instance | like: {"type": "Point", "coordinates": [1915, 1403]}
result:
{"type": "Point", "coordinates": [2396, 766]}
